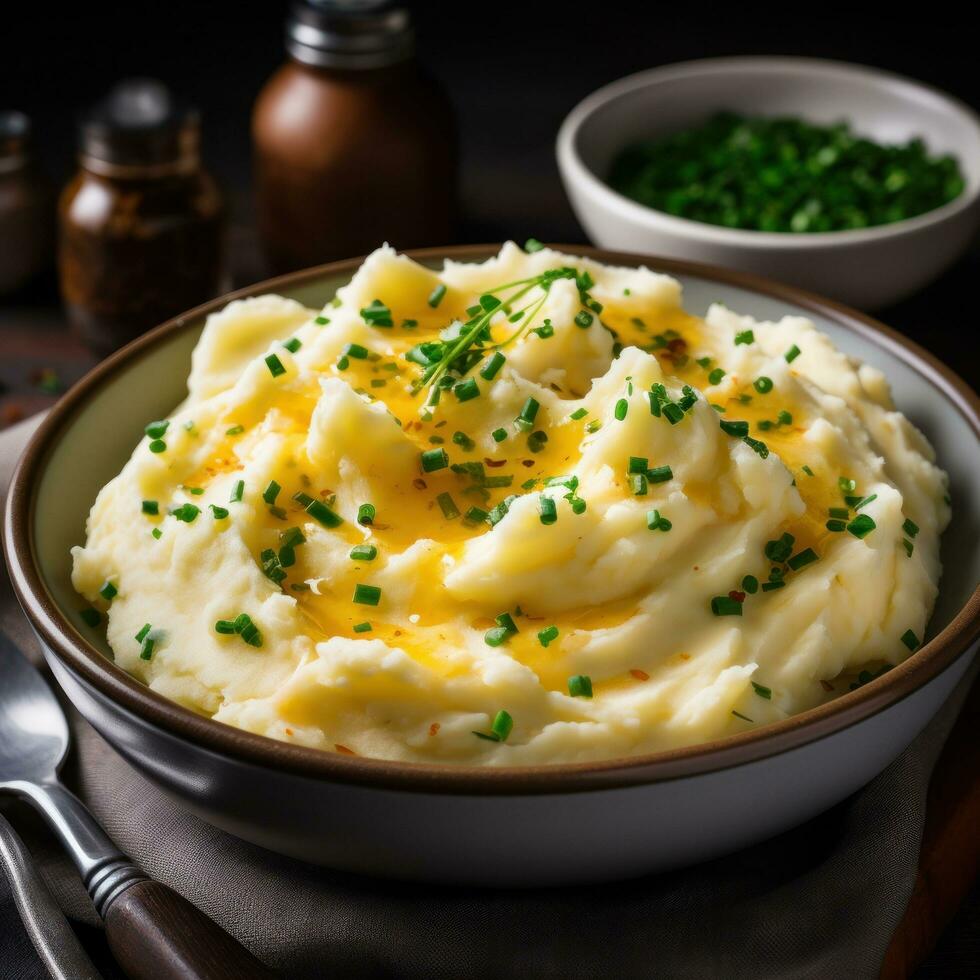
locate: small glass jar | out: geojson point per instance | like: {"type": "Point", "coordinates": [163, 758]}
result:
{"type": "Point", "coordinates": [26, 207]}
{"type": "Point", "coordinates": [140, 224]}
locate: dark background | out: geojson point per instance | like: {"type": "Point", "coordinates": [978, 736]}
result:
{"type": "Point", "coordinates": [513, 70]}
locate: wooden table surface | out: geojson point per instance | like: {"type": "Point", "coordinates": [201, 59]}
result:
{"type": "Point", "coordinates": [39, 359]}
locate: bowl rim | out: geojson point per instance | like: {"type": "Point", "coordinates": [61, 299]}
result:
{"type": "Point", "coordinates": [85, 661]}
{"type": "Point", "coordinates": [575, 170]}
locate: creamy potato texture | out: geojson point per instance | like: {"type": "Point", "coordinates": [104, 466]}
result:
{"type": "Point", "coordinates": [524, 511]}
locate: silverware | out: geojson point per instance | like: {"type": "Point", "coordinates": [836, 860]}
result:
{"type": "Point", "coordinates": [57, 946]}
{"type": "Point", "coordinates": [153, 932]}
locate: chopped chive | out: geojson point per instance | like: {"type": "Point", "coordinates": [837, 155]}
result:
{"type": "Point", "coordinates": [152, 507]}
{"type": "Point", "coordinates": [303, 499]}
{"type": "Point", "coordinates": [548, 634]}
{"type": "Point", "coordinates": [909, 546]}
{"type": "Point", "coordinates": [502, 726]}
{"type": "Point", "coordinates": [157, 446]}
{"type": "Point", "coordinates": [321, 321]}
{"type": "Point", "coordinates": [271, 565]}
{"type": "Point", "coordinates": [762, 691]}
{"type": "Point", "coordinates": [792, 354]}
{"type": "Point", "coordinates": [583, 319]}
{"type": "Point", "coordinates": [763, 385]}
{"type": "Point", "coordinates": [492, 365]}
{"type": "Point", "coordinates": [291, 537]}
{"type": "Point", "coordinates": [865, 501]}
{"type": "Point", "coordinates": [715, 376]}
{"type": "Point", "coordinates": [738, 714]}
{"type": "Point", "coordinates": [780, 549]}
{"type": "Point", "coordinates": [532, 245]}
{"type": "Point", "coordinates": [784, 418]}
{"type": "Point", "coordinates": [528, 414]}
{"type": "Point", "coordinates": [219, 513]}
{"type": "Point", "coordinates": [840, 513]}
{"type": "Point", "coordinates": [489, 302]}
{"type": "Point", "coordinates": [146, 648]}
{"type": "Point", "coordinates": [144, 630]}
{"type": "Point", "coordinates": [498, 481]}
{"type": "Point", "coordinates": [467, 390]}
{"type": "Point", "coordinates": [807, 470]}
{"type": "Point", "coordinates": [660, 474]}
{"type": "Point", "coordinates": [638, 484]}
{"type": "Point", "coordinates": [836, 525]}
{"type": "Point", "coordinates": [357, 351]}
{"type": "Point", "coordinates": [496, 636]}
{"type": "Point", "coordinates": [157, 533]}
{"type": "Point", "coordinates": [364, 552]}
{"type": "Point", "coordinates": [750, 584]}
{"type": "Point", "coordinates": [637, 464]}
{"type": "Point", "coordinates": [801, 559]}
{"type": "Point", "coordinates": [579, 413]}
{"type": "Point", "coordinates": [321, 513]}
{"type": "Point", "coordinates": [235, 430]}
{"type": "Point", "coordinates": [293, 344]}
{"type": "Point", "coordinates": [435, 297]}
{"type": "Point", "coordinates": [475, 516]}
{"type": "Point", "coordinates": [910, 528]}
{"type": "Point", "coordinates": [271, 492]}
{"type": "Point", "coordinates": [376, 314]}
{"type": "Point", "coordinates": [744, 337]}
{"type": "Point", "coordinates": [367, 595]}
{"type": "Point", "coordinates": [536, 441]}
{"type": "Point", "coordinates": [225, 626]}
{"type": "Point", "coordinates": [657, 522]}
{"type": "Point", "coordinates": [846, 484]}
{"type": "Point", "coordinates": [156, 430]}
{"type": "Point", "coordinates": [366, 514]}
{"type": "Point", "coordinates": [757, 445]}
{"type": "Point", "coordinates": [910, 639]}
{"type": "Point", "coordinates": [622, 407]}
{"type": "Point", "coordinates": [771, 586]}
{"type": "Point", "coordinates": [673, 413]}
{"type": "Point", "coordinates": [186, 513]}
{"type": "Point", "coordinates": [90, 617]}
{"type": "Point", "coordinates": [594, 426]}
{"type": "Point", "coordinates": [378, 382]}
{"type": "Point", "coordinates": [274, 365]}
{"type": "Point", "coordinates": [343, 363]}
{"type": "Point", "coordinates": [723, 605]}
{"type": "Point", "coordinates": [434, 459]}
{"type": "Point", "coordinates": [547, 510]}
{"type": "Point", "coordinates": [861, 526]}
{"type": "Point", "coordinates": [732, 428]}
{"type": "Point", "coordinates": [499, 435]}
{"type": "Point", "coordinates": [362, 627]}
{"type": "Point", "coordinates": [580, 686]}
{"type": "Point", "coordinates": [448, 506]}
{"type": "Point", "coordinates": [237, 491]}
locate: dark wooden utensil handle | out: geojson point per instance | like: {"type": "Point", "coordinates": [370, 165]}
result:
{"type": "Point", "coordinates": [155, 934]}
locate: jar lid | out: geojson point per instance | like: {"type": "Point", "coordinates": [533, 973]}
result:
{"type": "Point", "coordinates": [139, 123]}
{"type": "Point", "coordinates": [356, 34]}
{"type": "Point", "coordinates": [15, 135]}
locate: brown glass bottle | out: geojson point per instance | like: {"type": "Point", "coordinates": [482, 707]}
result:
{"type": "Point", "coordinates": [140, 223]}
{"type": "Point", "coordinates": [353, 145]}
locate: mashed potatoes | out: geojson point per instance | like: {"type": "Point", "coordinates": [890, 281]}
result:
{"type": "Point", "coordinates": [526, 511]}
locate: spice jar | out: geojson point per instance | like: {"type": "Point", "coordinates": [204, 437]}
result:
{"type": "Point", "coordinates": [353, 145]}
{"type": "Point", "coordinates": [140, 223]}
{"type": "Point", "coordinates": [26, 206]}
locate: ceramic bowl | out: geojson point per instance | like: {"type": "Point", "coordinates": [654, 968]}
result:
{"type": "Point", "coordinates": [868, 268]}
{"type": "Point", "coordinates": [531, 826]}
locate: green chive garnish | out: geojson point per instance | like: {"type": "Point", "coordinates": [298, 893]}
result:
{"type": "Point", "coordinates": [744, 337]}
{"type": "Point", "coordinates": [142, 634]}
{"type": "Point", "coordinates": [364, 552]}
{"type": "Point", "coordinates": [579, 413]}
{"type": "Point", "coordinates": [321, 513]}
{"type": "Point", "coordinates": [750, 584]}
{"type": "Point", "coordinates": [762, 691]}
{"type": "Point", "coordinates": [146, 648]}
{"type": "Point", "coordinates": [293, 344]}
{"type": "Point", "coordinates": [157, 430]}
{"type": "Point", "coordinates": [448, 506]}
{"type": "Point", "coordinates": [225, 626]}
{"type": "Point", "coordinates": [527, 414]}
{"type": "Point", "coordinates": [732, 428]}
{"type": "Point", "coordinates": [637, 464]}
{"type": "Point", "coordinates": [862, 526]}
{"type": "Point", "coordinates": [475, 516]}
{"type": "Point", "coordinates": [715, 376]}
{"type": "Point", "coordinates": [186, 513]}
{"type": "Point", "coordinates": [271, 492]}
{"type": "Point", "coordinates": [366, 514]}
{"type": "Point", "coordinates": [434, 459]}
{"type": "Point", "coordinates": [548, 634]}
{"type": "Point", "coordinates": [157, 533]}
{"type": "Point", "coordinates": [638, 484]}
{"type": "Point", "coordinates": [362, 627]}
{"type": "Point", "coordinates": [274, 365]}
{"type": "Point", "coordinates": [435, 297]}
{"type": "Point", "coordinates": [493, 364]}
{"type": "Point", "coordinates": [580, 686]}
{"type": "Point", "coordinates": [533, 245]}
{"type": "Point", "coordinates": [660, 474]}
{"type": "Point", "coordinates": [583, 319]}
{"type": "Point", "coordinates": [910, 528]}
{"type": "Point", "coordinates": [152, 507]}
{"type": "Point", "coordinates": [792, 354]}
{"type": "Point", "coordinates": [157, 446]}
{"type": "Point", "coordinates": [502, 726]}
{"type": "Point", "coordinates": [376, 314]}
{"type": "Point", "coordinates": [780, 549]}
{"type": "Point", "coordinates": [321, 321]}
{"type": "Point", "coordinates": [723, 605]}
{"type": "Point", "coordinates": [467, 390]}
{"type": "Point", "coordinates": [622, 407]}
{"type": "Point", "coordinates": [367, 595]}
{"type": "Point", "coordinates": [910, 639]}
{"type": "Point", "coordinates": [499, 435]}
{"type": "Point", "coordinates": [90, 617]}
{"type": "Point", "coordinates": [657, 522]}
{"type": "Point", "coordinates": [763, 385]}
{"type": "Point", "coordinates": [801, 559]}
{"type": "Point", "coordinates": [548, 511]}
{"type": "Point", "coordinates": [219, 513]}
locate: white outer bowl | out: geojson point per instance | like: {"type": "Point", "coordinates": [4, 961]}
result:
{"type": "Point", "coordinates": [867, 268]}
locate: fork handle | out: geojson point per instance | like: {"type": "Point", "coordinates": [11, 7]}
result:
{"type": "Point", "coordinates": [155, 934]}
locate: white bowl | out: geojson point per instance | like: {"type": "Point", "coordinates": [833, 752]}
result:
{"type": "Point", "coordinates": [868, 267]}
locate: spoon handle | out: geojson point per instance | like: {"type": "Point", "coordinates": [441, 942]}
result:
{"type": "Point", "coordinates": [154, 933]}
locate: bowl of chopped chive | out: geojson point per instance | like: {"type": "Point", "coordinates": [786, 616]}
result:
{"type": "Point", "coordinates": [850, 181]}
{"type": "Point", "coordinates": [501, 824]}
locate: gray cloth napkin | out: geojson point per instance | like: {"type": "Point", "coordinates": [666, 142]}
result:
{"type": "Point", "coordinates": [819, 901]}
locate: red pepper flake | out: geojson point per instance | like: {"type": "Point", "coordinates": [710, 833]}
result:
{"type": "Point", "coordinates": [419, 483]}
{"type": "Point", "coordinates": [640, 675]}
{"type": "Point", "coordinates": [736, 595]}
{"type": "Point", "coordinates": [527, 462]}
{"type": "Point", "coordinates": [434, 728]}
{"type": "Point", "coordinates": [11, 413]}
{"type": "Point", "coordinates": [678, 345]}
{"type": "Point", "coordinates": [494, 462]}
{"type": "Point", "coordinates": [343, 750]}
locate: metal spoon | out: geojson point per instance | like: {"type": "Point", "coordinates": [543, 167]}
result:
{"type": "Point", "coordinates": [153, 932]}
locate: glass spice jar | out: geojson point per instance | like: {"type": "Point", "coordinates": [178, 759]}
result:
{"type": "Point", "coordinates": [354, 144]}
{"type": "Point", "coordinates": [26, 206]}
{"type": "Point", "coordinates": [140, 224]}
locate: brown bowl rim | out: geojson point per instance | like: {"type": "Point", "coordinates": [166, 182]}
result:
{"type": "Point", "coordinates": [84, 660]}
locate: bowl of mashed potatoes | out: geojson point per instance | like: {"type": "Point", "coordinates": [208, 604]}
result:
{"type": "Point", "coordinates": [446, 535]}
